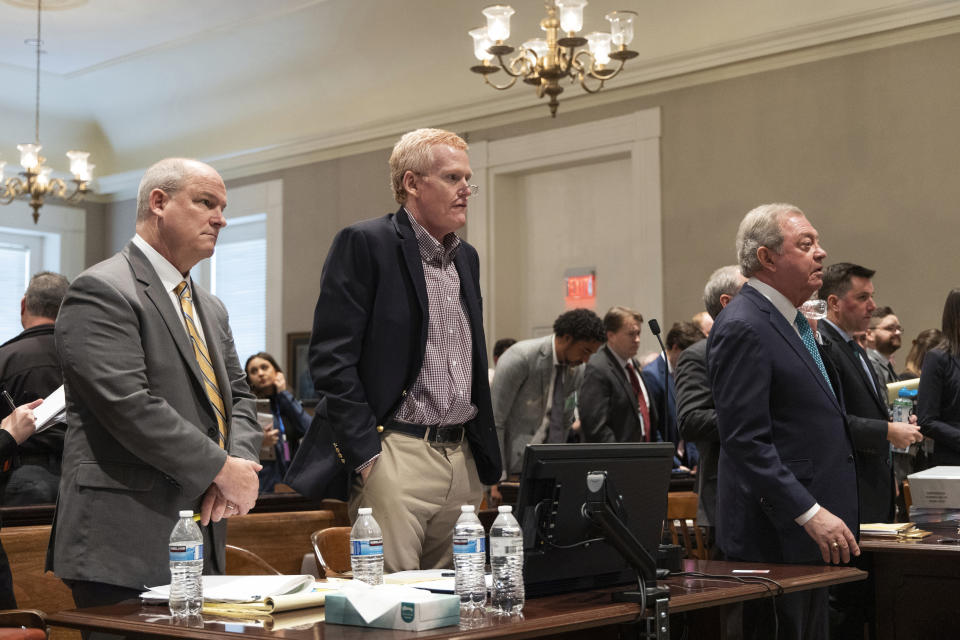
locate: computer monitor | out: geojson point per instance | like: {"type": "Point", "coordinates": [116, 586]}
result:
{"type": "Point", "coordinates": [564, 549]}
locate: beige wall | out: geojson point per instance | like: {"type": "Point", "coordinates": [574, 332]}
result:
{"type": "Point", "coordinates": [865, 144]}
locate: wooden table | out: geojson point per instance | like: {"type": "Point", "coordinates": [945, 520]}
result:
{"type": "Point", "coordinates": [589, 614]}
{"type": "Point", "coordinates": [917, 584]}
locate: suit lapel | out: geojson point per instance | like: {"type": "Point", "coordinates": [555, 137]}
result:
{"type": "Point", "coordinates": [853, 360]}
{"type": "Point", "coordinates": [153, 289]}
{"type": "Point", "coordinates": [414, 264]}
{"type": "Point", "coordinates": [789, 334]}
{"type": "Point", "coordinates": [620, 374]}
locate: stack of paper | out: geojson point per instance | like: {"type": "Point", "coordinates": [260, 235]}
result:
{"type": "Point", "coordinates": [892, 530]}
{"type": "Point", "coordinates": [253, 596]}
{"type": "Point", "coordinates": [53, 410]}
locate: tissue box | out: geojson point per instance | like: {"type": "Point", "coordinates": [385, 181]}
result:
{"type": "Point", "coordinates": [440, 610]}
{"type": "Point", "coordinates": [937, 488]}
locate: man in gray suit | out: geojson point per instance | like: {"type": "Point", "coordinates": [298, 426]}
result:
{"type": "Point", "coordinates": [695, 409]}
{"type": "Point", "coordinates": [528, 406]}
{"type": "Point", "coordinates": [159, 415]}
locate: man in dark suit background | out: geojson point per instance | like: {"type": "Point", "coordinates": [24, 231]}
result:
{"type": "Point", "coordinates": [848, 290]}
{"type": "Point", "coordinates": [404, 422]}
{"type": "Point", "coordinates": [787, 488]}
{"type": "Point", "coordinates": [159, 414]}
{"type": "Point", "coordinates": [696, 412]}
{"type": "Point", "coordinates": [615, 401]}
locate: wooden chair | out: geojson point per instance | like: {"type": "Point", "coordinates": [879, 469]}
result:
{"type": "Point", "coordinates": [280, 539]}
{"type": "Point", "coordinates": [22, 624]}
{"type": "Point", "coordinates": [332, 549]}
{"type": "Point", "coordinates": [242, 562]}
{"type": "Point", "coordinates": [682, 522]}
{"type": "Point", "coordinates": [907, 500]}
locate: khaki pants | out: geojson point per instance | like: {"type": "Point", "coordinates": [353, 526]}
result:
{"type": "Point", "coordinates": [416, 490]}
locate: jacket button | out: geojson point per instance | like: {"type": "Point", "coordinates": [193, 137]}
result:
{"type": "Point", "coordinates": [379, 428]}
{"type": "Point", "coordinates": [850, 458]}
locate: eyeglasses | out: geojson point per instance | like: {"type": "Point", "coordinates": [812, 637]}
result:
{"type": "Point", "coordinates": [454, 181]}
{"type": "Point", "coordinates": [893, 329]}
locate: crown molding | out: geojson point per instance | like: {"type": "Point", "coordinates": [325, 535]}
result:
{"type": "Point", "coordinates": [823, 40]}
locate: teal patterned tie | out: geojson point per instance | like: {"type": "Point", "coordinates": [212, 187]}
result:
{"type": "Point", "coordinates": [806, 334]}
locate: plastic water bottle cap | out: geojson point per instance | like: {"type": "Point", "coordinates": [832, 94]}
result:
{"type": "Point", "coordinates": [505, 508]}
{"type": "Point", "coordinates": [467, 508]}
{"type": "Point", "coordinates": [364, 511]}
{"type": "Point", "coordinates": [186, 513]}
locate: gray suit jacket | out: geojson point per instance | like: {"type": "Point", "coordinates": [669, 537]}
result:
{"type": "Point", "coordinates": [521, 390]}
{"type": "Point", "coordinates": [698, 424]}
{"type": "Point", "coordinates": [141, 440]}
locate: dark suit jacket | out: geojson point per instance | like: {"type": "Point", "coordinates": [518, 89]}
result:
{"type": "Point", "coordinates": [654, 374]}
{"type": "Point", "coordinates": [142, 438]}
{"type": "Point", "coordinates": [367, 347]}
{"type": "Point", "coordinates": [867, 417]}
{"type": "Point", "coordinates": [607, 403]}
{"type": "Point", "coordinates": [938, 405]}
{"type": "Point", "coordinates": [784, 441]}
{"type": "Point", "coordinates": [698, 424]}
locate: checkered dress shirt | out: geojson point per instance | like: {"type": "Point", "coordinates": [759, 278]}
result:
{"type": "Point", "coordinates": [441, 393]}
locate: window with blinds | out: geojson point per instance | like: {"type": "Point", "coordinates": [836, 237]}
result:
{"type": "Point", "coordinates": [14, 277]}
{"type": "Point", "coordinates": [238, 276]}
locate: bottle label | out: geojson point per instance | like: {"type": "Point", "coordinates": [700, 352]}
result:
{"type": "Point", "coordinates": [372, 547]}
{"type": "Point", "coordinates": [469, 545]}
{"type": "Point", "coordinates": [185, 552]}
{"type": "Point", "coordinates": [505, 546]}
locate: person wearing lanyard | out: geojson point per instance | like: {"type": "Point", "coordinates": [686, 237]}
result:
{"type": "Point", "coordinates": [289, 421]}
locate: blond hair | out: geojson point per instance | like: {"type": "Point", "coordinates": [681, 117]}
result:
{"type": "Point", "coordinates": [414, 152]}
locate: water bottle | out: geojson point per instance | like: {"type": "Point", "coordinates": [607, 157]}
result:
{"type": "Point", "coordinates": [186, 567]}
{"type": "Point", "coordinates": [902, 408]}
{"type": "Point", "coordinates": [469, 557]}
{"type": "Point", "coordinates": [366, 548]}
{"type": "Point", "coordinates": [506, 561]}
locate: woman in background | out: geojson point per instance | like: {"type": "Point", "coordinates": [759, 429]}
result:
{"type": "Point", "coordinates": [290, 422]}
{"type": "Point", "coordinates": [938, 402]}
{"type": "Point", "coordinates": [925, 340]}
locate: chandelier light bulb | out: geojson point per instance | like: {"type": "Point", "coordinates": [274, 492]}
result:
{"type": "Point", "coordinates": [621, 27]}
{"type": "Point", "coordinates": [599, 44]}
{"type": "Point", "coordinates": [498, 21]}
{"type": "Point", "coordinates": [43, 179]}
{"type": "Point", "coordinates": [481, 42]}
{"type": "Point", "coordinates": [29, 155]}
{"type": "Point", "coordinates": [571, 15]}
{"type": "Point", "coordinates": [2, 165]}
{"type": "Point", "coordinates": [538, 46]}
{"type": "Point", "coordinates": [78, 164]}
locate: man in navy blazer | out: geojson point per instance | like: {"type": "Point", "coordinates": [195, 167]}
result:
{"type": "Point", "coordinates": [787, 484]}
{"type": "Point", "coordinates": [404, 423]}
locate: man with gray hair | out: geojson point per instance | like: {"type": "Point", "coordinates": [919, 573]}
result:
{"type": "Point", "coordinates": [696, 412]}
{"type": "Point", "coordinates": [30, 369]}
{"type": "Point", "coordinates": [787, 483]}
{"type": "Point", "coordinates": [160, 416]}
{"type": "Point", "coordinates": [404, 422]}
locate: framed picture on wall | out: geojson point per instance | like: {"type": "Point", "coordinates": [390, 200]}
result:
{"type": "Point", "coordinates": [298, 369]}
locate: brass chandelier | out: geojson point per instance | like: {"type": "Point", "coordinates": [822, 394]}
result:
{"type": "Point", "coordinates": [35, 180]}
{"type": "Point", "coordinates": [544, 62]}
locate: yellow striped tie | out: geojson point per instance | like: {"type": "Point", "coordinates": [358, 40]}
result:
{"type": "Point", "coordinates": [203, 359]}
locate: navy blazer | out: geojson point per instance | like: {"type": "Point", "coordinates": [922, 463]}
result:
{"type": "Point", "coordinates": [783, 434]}
{"type": "Point", "coordinates": [654, 376]}
{"type": "Point", "coordinates": [867, 416]}
{"type": "Point", "coordinates": [369, 338]}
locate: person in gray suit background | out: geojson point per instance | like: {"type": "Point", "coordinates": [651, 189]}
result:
{"type": "Point", "coordinates": [159, 414]}
{"type": "Point", "coordinates": [695, 409]}
{"type": "Point", "coordinates": [528, 407]}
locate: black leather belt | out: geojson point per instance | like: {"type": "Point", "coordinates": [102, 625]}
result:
{"type": "Point", "coordinates": [436, 433]}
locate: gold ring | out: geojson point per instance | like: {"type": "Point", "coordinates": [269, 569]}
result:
{"type": "Point", "coordinates": [836, 545]}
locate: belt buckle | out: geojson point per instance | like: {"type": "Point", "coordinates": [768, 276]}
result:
{"type": "Point", "coordinates": [438, 439]}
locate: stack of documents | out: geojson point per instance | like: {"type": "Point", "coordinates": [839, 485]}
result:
{"type": "Point", "coordinates": [254, 596]}
{"type": "Point", "coordinates": [892, 530]}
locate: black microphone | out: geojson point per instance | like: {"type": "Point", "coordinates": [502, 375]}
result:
{"type": "Point", "coordinates": [655, 330]}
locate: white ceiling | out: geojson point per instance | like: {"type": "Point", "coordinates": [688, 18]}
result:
{"type": "Point", "coordinates": [134, 80]}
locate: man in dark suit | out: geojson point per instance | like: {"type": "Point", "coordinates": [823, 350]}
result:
{"type": "Point", "coordinates": [615, 401]}
{"type": "Point", "coordinates": [696, 412]}
{"type": "Point", "coordinates": [787, 486]}
{"type": "Point", "coordinates": [159, 414]}
{"type": "Point", "coordinates": [848, 290]}
{"type": "Point", "coordinates": [404, 423]}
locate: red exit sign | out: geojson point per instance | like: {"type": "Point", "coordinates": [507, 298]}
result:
{"type": "Point", "coordinates": [581, 291]}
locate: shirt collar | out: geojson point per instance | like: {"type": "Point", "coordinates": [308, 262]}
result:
{"type": "Point", "coordinates": [169, 275]}
{"type": "Point", "coordinates": [777, 299]}
{"type": "Point", "coordinates": [431, 250]}
{"type": "Point", "coordinates": [843, 334]}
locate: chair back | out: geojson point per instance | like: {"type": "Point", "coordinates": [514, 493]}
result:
{"type": "Point", "coordinates": [682, 522]}
{"type": "Point", "coordinates": [243, 562]}
{"type": "Point", "coordinates": [332, 549]}
{"type": "Point", "coordinates": [22, 624]}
